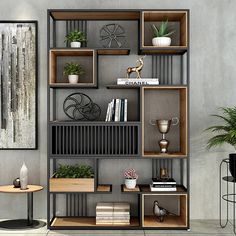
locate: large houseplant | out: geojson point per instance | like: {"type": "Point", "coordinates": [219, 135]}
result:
{"type": "Point", "coordinates": [75, 38]}
{"type": "Point", "coordinates": [73, 71]}
{"type": "Point", "coordinates": [162, 35]}
{"type": "Point", "coordinates": [225, 133]}
{"type": "Point", "coordinates": [73, 178]}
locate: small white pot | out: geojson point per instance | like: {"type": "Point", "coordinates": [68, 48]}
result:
{"type": "Point", "coordinates": [75, 44]}
{"type": "Point", "coordinates": [73, 79]}
{"type": "Point", "coordinates": [161, 41]}
{"type": "Point", "coordinates": [130, 183]}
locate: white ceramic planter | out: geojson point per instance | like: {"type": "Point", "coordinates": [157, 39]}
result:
{"type": "Point", "coordinates": [73, 79]}
{"type": "Point", "coordinates": [75, 44]}
{"type": "Point", "coordinates": [161, 41]}
{"type": "Point", "coordinates": [130, 183]}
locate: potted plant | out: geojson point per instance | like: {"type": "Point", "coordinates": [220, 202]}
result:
{"type": "Point", "coordinates": [75, 38]}
{"type": "Point", "coordinates": [130, 178]}
{"type": "Point", "coordinates": [72, 178]}
{"type": "Point", "coordinates": [161, 35]}
{"type": "Point", "coordinates": [225, 133]}
{"type": "Point", "coordinates": [73, 71]}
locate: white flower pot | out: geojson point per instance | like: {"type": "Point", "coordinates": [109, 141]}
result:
{"type": "Point", "coordinates": [73, 79]}
{"type": "Point", "coordinates": [75, 44]}
{"type": "Point", "coordinates": [161, 41]}
{"type": "Point", "coordinates": [130, 183]}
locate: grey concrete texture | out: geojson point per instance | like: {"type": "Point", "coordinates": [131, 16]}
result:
{"type": "Point", "coordinates": [213, 55]}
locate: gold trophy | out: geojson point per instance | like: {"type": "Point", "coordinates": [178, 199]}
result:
{"type": "Point", "coordinates": [164, 127]}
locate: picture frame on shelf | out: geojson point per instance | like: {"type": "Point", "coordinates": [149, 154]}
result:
{"type": "Point", "coordinates": [19, 75]}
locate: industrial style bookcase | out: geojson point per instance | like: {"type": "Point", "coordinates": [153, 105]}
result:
{"type": "Point", "coordinates": [133, 140]}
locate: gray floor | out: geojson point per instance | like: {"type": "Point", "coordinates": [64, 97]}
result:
{"type": "Point", "coordinates": [198, 227]}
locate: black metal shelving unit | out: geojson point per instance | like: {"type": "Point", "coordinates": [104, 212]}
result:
{"type": "Point", "coordinates": [70, 140]}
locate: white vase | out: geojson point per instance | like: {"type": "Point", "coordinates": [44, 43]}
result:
{"type": "Point", "coordinates": [73, 79]}
{"type": "Point", "coordinates": [161, 41]}
{"type": "Point", "coordinates": [23, 177]}
{"type": "Point", "coordinates": [130, 183]}
{"type": "Point", "coordinates": [75, 44]}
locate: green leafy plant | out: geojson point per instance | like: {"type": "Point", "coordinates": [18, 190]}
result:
{"type": "Point", "coordinates": [75, 36]}
{"type": "Point", "coordinates": [226, 133]}
{"type": "Point", "coordinates": [73, 69]}
{"type": "Point", "coordinates": [163, 30]}
{"type": "Point", "coordinates": [75, 171]}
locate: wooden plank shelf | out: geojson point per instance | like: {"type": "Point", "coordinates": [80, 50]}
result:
{"type": "Point", "coordinates": [171, 50]}
{"type": "Point", "coordinates": [104, 188]}
{"type": "Point", "coordinates": [87, 222]}
{"type": "Point", "coordinates": [145, 188]}
{"type": "Point", "coordinates": [117, 86]}
{"type": "Point", "coordinates": [164, 155]}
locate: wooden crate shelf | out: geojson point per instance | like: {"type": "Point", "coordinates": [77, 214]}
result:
{"type": "Point", "coordinates": [171, 221]}
{"type": "Point", "coordinates": [177, 19]}
{"type": "Point", "coordinates": [165, 102]}
{"type": "Point", "coordinates": [87, 222]}
{"type": "Point", "coordinates": [86, 57]}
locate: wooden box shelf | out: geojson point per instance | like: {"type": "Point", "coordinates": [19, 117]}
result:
{"type": "Point", "coordinates": [177, 220]}
{"type": "Point", "coordinates": [164, 102]}
{"type": "Point", "coordinates": [177, 19]}
{"type": "Point", "coordinates": [59, 57]}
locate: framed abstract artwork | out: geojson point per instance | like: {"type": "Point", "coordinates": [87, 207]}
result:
{"type": "Point", "coordinates": [18, 84]}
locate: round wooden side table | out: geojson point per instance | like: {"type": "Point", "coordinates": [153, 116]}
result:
{"type": "Point", "coordinates": [23, 223]}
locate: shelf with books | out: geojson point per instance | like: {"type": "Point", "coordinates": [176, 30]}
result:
{"type": "Point", "coordinates": [175, 205]}
{"type": "Point", "coordinates": [85, 222]}
{"type": "Point", "coordinates": [165, 104]}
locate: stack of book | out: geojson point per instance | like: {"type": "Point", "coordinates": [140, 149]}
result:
{"type": "Point", "coordinates": [137, 82]}
{"type": "Point", "coordinates": [113, 214]}
{"type": "Point", "coordinates": [117, 110]}
{"type": "Point", "coordinates": [163, 184]}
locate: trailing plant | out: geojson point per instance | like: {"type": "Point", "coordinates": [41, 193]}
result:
{"type": "Point", "coordinates": [75, 171]}
{"type": "Point", "coordinates": [130, 174]}
{"type": "Point", "coordinates": [226, 133]}
{"type": "Point", "coordinates": [163, 30]}
{"type": "Point", "coordinates": [75, 36]}
{"type": "Point", "coordinates": [73, 69]}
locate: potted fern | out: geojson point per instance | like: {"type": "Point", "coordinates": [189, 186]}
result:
{"type": "Point", "coordinates": [161, 35]}
{"type": "Point", "coordinates": [73, 178]}
{"type": "Point", "coordinates": [75, 38]}
{"type": "Point", "coordinates": [73, 71]}
{"type": "Point", "coordinates": [225, 133]}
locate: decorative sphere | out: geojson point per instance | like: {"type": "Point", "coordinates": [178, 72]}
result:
{"type": "Point", "coordinates": [16, 183]}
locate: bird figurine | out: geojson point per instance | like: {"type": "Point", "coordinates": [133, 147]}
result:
{"type": "Point", "coordinates": [159, 211]}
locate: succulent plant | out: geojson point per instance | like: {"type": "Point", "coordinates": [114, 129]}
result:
{"type": "Point", "coordinates": [130, 174]}
{"type": "Point", "coordinates": [75, 36]}
{"type": "Point", "coordinates": [73, 69]}
{"type": "Point", "coordinates": [163, 30]}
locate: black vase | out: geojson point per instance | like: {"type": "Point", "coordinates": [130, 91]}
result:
{"type": "Point", "coordinates": [232, 164]}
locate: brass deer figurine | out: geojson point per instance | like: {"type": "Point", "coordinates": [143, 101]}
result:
{"type": "Point", "coordinates": [137, 68]}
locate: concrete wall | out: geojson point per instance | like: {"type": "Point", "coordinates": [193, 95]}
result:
{"type": "Point", "coordinates": [213, 81]}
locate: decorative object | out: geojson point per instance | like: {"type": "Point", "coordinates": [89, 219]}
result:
{"type": "Point", "coordinates": [164, 173]}
{"type": "Point", "coordinates": [18, 87]}
{"type": "Point", "coordinates": [164, 127]}
{"type": "Point", "coordinates": [225, 133]}
{"type": "Point", "coordinates": [16, 183]}
{"type": "Point", "coordinates": [23, 177]}
{"type": "Point", "coordinates": [76, 178]}
{"type": "Point", "coordinates": [75, 38]}
{"type": "Point", "coordinates": [112, 36]}
{"type": "Point", "coordinates": [73, 70]}
{"type": "Point", "coordinates": [161, 34]}
{"type": "Point", "coordinates": [159, 211]}
{"type": "Point", "coordinates": [137, 68]}
{"type": "Point", "coordinates": [130, 178]}
{"type": "Point", "coordinates": [79, 106]}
